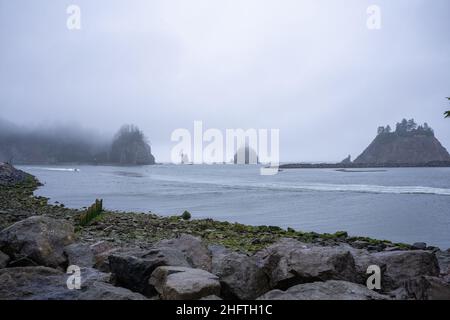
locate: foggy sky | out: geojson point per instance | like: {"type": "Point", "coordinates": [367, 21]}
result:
{"type": "Point", "coordinates": [310, 68]}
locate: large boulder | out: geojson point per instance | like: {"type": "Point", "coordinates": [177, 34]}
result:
{"type": "Point", "coordinates": [363, 259]}
{"type": "Point", "coordinates": [195, 250]}
{"type": "Point", "coordinates": [329, 290]}
{"type": "Point", "coordinates": [240, 275]}
{"type": "Point", "coordinates": [38, 240]}
{"type": "Point", "coordinates": [4, 259]}
{"type": "Point", "coordinates": [101, 251]}
{"type": "Point", "coordinates": [427, 288]}
{"type": "Point", "coordinates": [399, 267]}
{"type": "Point", "coordinates": [105, 291]}
{"type": "Point", "coordinates": [43, 283]}
{"type": "Point", "coordinates": [444, 261]}
{"type": "Point", "coordinates": [132, 269]}
{"type": "Point", "coordinates": [90, 256]}
{"type": "Point", "coordinates": [181, 283]}
{"type": "Point", "coordinates": [80, 254]}
{"type": "Point", "coordinates": [290, 262]}
{"type": "Point", "coordinates": [34, 283]}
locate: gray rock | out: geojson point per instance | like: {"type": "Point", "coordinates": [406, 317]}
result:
{"type": "Point", "coordinates": [105, 291]}
{"type": "Point", "coordinates": [329, 290]}
{"type": "Point", "coordinates": [360, 244]}
{"type": "Point", "coordinates": [420, 245]}
{"type": "Point", "coordinates": [101, 251]}
{"type": "Point", "coordinates": [428, 288]}
{"type": "Point", "coordinates": [195, 250]}
{"type": "Point", "coordinates": [180, 283]}
{"type": "Point", "coordinates": [34, 283]}
{"type": "Point", "coordinates": [363, 259]}
{"type": "Point", "coordinates": [401, 266]}
{"type": "Point", "coordinates": [80, 254]}
{"type": "Point", "coordinates": [43, 283]}
{"type": "Point", "coordinates": [211, 298]}
{"type": "Point", "coordinates": [218, 250]}
{"type": "Point", "coordinates": [132, 269]}
{"type": "Point", "coordinates": [240, 275]}
{"type": "Point", "coordinates": [4, 259]}
{"type": "Point", "coordinates": [444, 261]}
{"type": "Point", "coordinates": [40, 239]}
{"type": "Point", "coordinates": [91, 275]}
{"type": "Point", "coordinates": [290, 262]}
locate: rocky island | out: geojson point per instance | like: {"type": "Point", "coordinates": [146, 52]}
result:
{"type": "Point", "coordinates": [59, 145]}
{"type": "Point", "coordinates": [410, 145]}
{"type": "Point", "coordinates": [136, 256]}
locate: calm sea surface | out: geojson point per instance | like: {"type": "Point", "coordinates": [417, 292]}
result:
{"type": "Point", "coordinates": [401, 204]}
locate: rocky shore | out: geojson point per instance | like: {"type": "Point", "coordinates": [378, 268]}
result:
{"type": "Point", "coordinates": [136, 256]}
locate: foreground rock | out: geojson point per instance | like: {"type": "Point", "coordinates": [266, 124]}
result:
{"type": "Point", "coordinates": [427, 288]}
{"type": "Point", "coordinates": [31, 283]}
{"type": "Point", "coordinates": [402, 266]}
{"type": "Point", "coordinates": [4, 259]}
{"type": "Point", "coordinates": [43, 283]}
{"type": "Point", "coordinates": [38, 240]}
{"type": "Point", "coordinates": [444, 262]}
{"type": "Point", "coordinates": [329, 290]}
{"type": "Point", "coordinates": [240, 275]}
{"type": "Point", "coordinates": [80, 255]}
{"type": "Point", "coordinates": [180, 283]}
{"type": "Point", "coordinates": [132, 269]}
{"type": "Point", "coordinates": [290, 262]}
{"type": "Point", "coordinates": [105, 291]}
{"type": "Point", "coordinates": [194, 249]}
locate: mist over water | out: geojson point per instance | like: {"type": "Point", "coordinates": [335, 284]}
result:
{"type": "Point", "coordinates": [399, 204]}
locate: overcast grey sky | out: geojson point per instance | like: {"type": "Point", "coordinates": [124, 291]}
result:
{"type": "Point", "coordinates": [310, 68]}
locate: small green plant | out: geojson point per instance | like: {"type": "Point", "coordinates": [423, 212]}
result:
{"type": "Point", "coordinates": [186, 215]}
{"type": "Point", "coordinates": [92, 212]}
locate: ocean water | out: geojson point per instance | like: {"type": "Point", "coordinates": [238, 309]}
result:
{"type": "Point", "coordinates": [398, 204]}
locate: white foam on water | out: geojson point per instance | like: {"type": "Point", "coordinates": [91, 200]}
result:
{"type": "Point", "coordinates": [320, 187]}
{"type": "Point", "coordinates": [58, 169]}
{"type": "Point", "coordinates": [372, 189]}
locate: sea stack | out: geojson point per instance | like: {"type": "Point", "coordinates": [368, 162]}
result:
{"type": "Point", "coordinates": [131, 148]}
{"type": "Point", "coordinates": [408, 144]}
{"type": "Point", "coordinates": [246, 155]}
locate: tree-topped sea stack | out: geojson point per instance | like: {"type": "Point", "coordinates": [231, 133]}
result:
{"type": "Point", "coordinates": [131, 148]}
{"type": "Point", "coordinates": [408, 144]}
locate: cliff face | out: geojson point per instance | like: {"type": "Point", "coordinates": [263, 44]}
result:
{"type": "Point", "coordinates": [409, 144]}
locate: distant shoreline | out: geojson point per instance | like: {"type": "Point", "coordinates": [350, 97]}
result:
{"type": "Point", "coordinates": [437, 164]}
